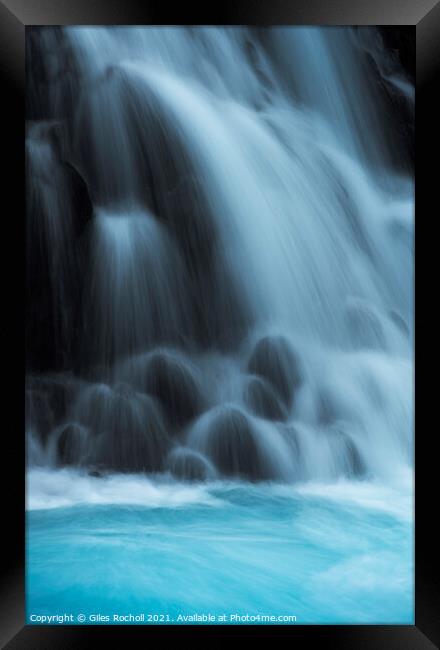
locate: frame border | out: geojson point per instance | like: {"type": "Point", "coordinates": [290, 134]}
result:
{"type": "Point", "coordinates": [15, 15]}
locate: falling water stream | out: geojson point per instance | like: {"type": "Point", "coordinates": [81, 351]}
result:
{"type": "Point", "coordinates": [219, 322]}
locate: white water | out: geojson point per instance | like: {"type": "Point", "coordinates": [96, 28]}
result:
{"type": "Point", "coordinates": [330, 554]}
{"type": "Point", "coordinates": [47, 489]}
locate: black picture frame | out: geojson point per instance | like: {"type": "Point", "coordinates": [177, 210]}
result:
{"type": "Point", "coordinates": [421, 15]}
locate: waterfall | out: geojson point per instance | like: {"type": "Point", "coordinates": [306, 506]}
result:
{"type": "Point", "coordinates": [219, 253]}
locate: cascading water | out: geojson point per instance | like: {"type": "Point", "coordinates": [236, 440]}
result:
{"type": "Point", "coordinates": [220, 232]}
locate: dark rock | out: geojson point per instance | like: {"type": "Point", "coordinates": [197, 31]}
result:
{"type": "Point", "coordinates": [71, 444]}
{"type": "Point", "coordinates": [79, 197]}
{"type": "Point", "coordinates": [52, 79]}
{"type": "Point", "coordinates": [402, 42]}
{"type": "Point", "coordinates": [221, 315]}
{"type": "Point", "coordinates": [169, 185]}
{"type": "Point", "coordinates": [188, 465]}
{"type": "Point", "coordinates": [232, 445]}
{"type": "Point", "coordinates": [262, 399]}
{"type": "Point", "coordinates": [139, 300]}
{"type": "Point", "coordinates": [95, 473]}
{"type": "Point", "coordinates": [174, 383]}
{"type": "Point", "coordinates": [95, 408]}
{"type": "Point", "coordinates": [349, 456]}
{"type": "Point", "coordinates": [137, 117]}
{"type": "Point", "coordinates": [390, 55]}
{"type": "Point", "coordinates": [57, 208]}
{"type": "Point", "coordinates": [60, 391]}
{"type": "Point", "coordinates": [356, 464]}
{"type": "Point", "coordinates": [128, 429]}
{"type": "Point", "coordinates": [188, 212]}
{"type": "Point", "coordinates": [274, 360]}
{"type": "Point", "coordinates": [48, 398]}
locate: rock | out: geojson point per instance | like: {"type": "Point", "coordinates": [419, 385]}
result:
{"type": "Point", "coordinates": [136, 117]}
{"type": "Point", "coordinates": [274, 360]}
{"type": "Point", "coordinates": [189, 215]}
{"type": "Point", "coordinates": [221, 315]}
{"type": "Point", "coordinates": [59, 391]}
{"type": "Point", "coordinates": [189, 465]}
{"type": "Point", "coordinates": [71, 444]}
{"type": "Point", "coordinates": [94, 408]}
{"type": "Point", "coordinates": [401, 43]}
{"type": "Point", "coordinates": [79, 197]}
{"type": "Point", "coordinates": [172, 188]}
{"type": "Point", "coordinates": [174, 383]}
{"type": "Point", "coordinates": [350, 459]}
{"type": "Point", "coordinates": [356, 464]}
{"type": "Point", "coordinates": [52, 74]}
{"type": "Point", "coordinates": [262, 399]}
{"type": "Point", "coordinates": [57, 208]}
{"type": "Point", "coordinates": [128, 429]}
{"type": "Point", "coordinates": [48, 398]}
{"type": "Point", "coordinates": [233, 446]}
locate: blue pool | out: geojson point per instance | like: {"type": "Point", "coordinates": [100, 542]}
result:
{"type": "Point", "coordinates": [166, 552]}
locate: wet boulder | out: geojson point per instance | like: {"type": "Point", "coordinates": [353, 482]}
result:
{"type": "Point", "coordinates": [71, 444]}
{"type": "Point", "coordinates": [175, 383]}
{"type": "Point", "coordinates": [262, 400]}
{"type": "Point", "coordinates": [187, 465]}
{"type": "Point", "coordinates": [79, 197]}
{"type": "Point", "coordinates": [274, 360]}
{"type": "Point", "coordinates": [355, 464]}
{"type": "Point", "coordinates": [128, 428]}
{"type": "Point", "coordinates": [48, 398]}
{"type": "Point", "coordinates": [220, 313]}
{"type": "Point", "coordinates": [187, 211]}
{"type": "Point", "coordinates": [346, 454]}
{"type": "Point", "coordinates": [230, 440]}
{"type": "Point", "coordinates": [52, 77]}
{"type": "Point", "coordinates": [57, 208]}
{"type": "Point", "coordinates": [59, 391]}
{"type": "Point", "coordinates": [123, 108]}
{"type": "Point", "coordinates": [55, 184]}
{"type": "Point", "coordinates": [136, 150]}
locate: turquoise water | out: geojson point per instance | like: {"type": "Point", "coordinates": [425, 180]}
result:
{"type": "Point", "coordinates": [325, 554]}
